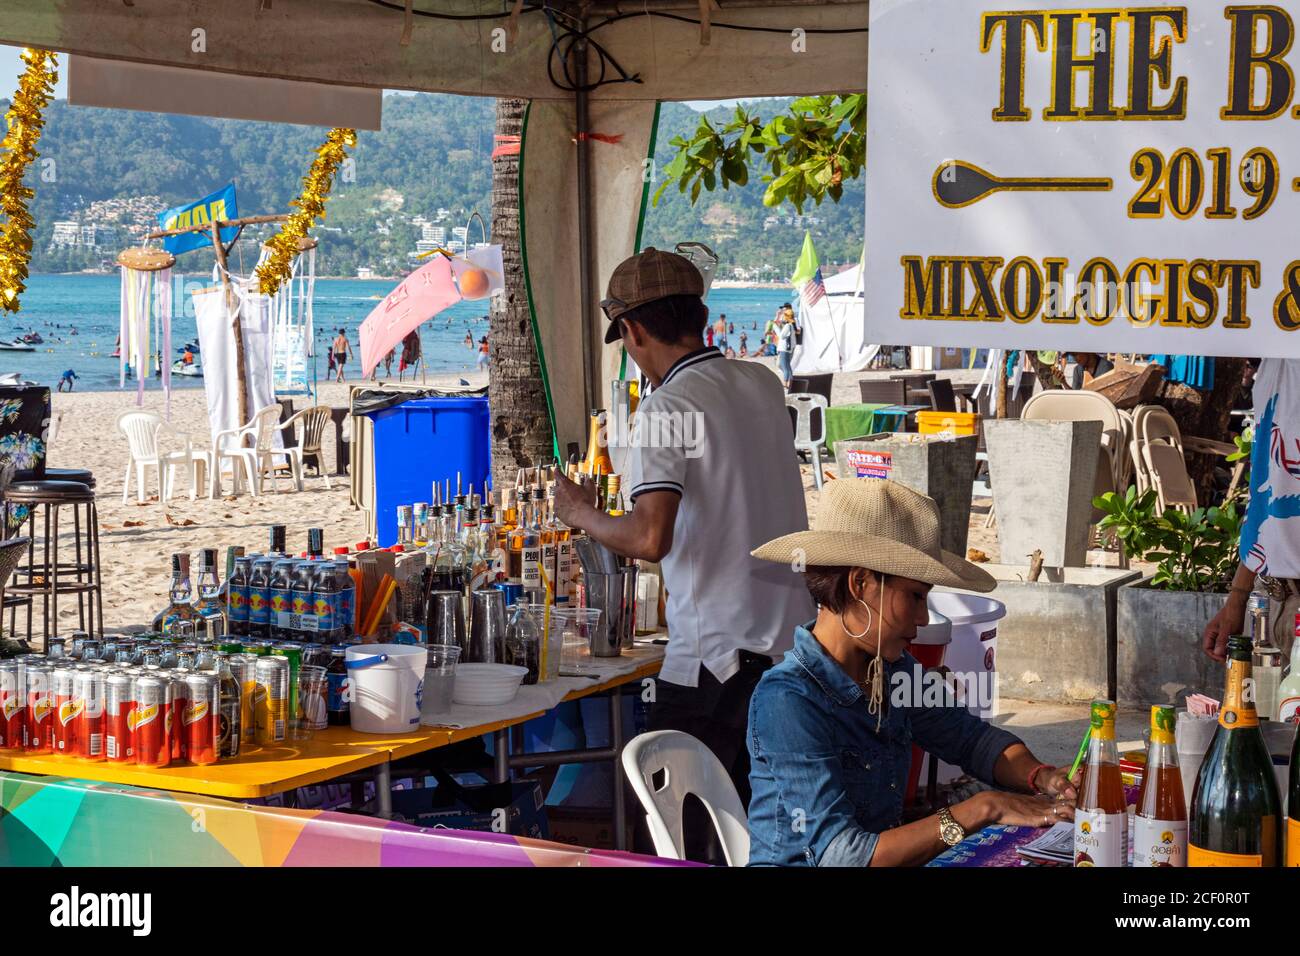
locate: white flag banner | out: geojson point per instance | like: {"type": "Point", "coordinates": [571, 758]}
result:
{"type": "Point", "coordinates": [1103, 179]}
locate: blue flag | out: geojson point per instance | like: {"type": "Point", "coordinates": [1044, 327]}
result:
{"type": "Point", "coordinates": [220, 205]}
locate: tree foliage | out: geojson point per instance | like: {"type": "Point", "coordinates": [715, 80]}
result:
{"type": "Point", "coordinates": [809, 151]}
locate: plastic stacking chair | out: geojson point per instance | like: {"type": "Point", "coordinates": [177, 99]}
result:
{"type": "Point", "coordinates": [1062, 405]}
{"type": "Point", "coordinates": [314, 421]}
{"type": "Point", "coordinates": [687, 767]}
{"type": "Point", "coordinates": [1159, 458]}
{"type": "Point", "coordinates": [232, 444]}
{"type": "Point", "coordinates": [808, 415]}
{"type": "Point", "coordinates": [143, 431]}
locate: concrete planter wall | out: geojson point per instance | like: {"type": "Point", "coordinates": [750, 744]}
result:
{"type": "Point", "coordinates": [1058, 640]}
{"type": "Point", "coordinates": [1043, 475]}
{"type": "Point", "coordinates": [941, 466]}
{"type": "Point", "coordinates": [1159, 645]}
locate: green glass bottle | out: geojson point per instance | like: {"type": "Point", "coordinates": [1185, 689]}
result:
{"type": "Point", "coordinates": [1293, 807]}
{"type": "Point", "coordinates": [1236, 810]}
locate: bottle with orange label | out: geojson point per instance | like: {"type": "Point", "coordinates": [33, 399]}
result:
{"type": "Point", "coordinates": [1236, 811]}
{"type": "Point", "coordinates": [1100, 816]}
{"type": "Point", "coordinates": [1160, 825]}
{"type": "Point", "coordinates": [1293, 808]}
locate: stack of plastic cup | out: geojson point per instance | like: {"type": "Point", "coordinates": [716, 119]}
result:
{"type": "Point", "coordinates": [439, 682]}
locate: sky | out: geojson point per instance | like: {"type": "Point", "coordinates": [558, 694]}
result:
{"type": "Point", "coordinates": [11, 66]}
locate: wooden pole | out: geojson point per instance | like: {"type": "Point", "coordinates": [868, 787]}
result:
{"type": "Point", "coordinates": [1000, 386]}
{"type": "Point", "coordinates": [218, 224]}
{"type": "Point", "coordinates": [241, 373]}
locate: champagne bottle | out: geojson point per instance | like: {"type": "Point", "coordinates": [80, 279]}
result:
{"type": "Point", "coordinates": [1160, 825]}
{"type": "Point", "coordinates": [1236, 809]}
{"type": "Point", "coordinates": [1100, 816]}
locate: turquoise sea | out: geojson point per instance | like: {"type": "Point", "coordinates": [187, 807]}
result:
{"type": "Point", "coordinates": [77, 316]}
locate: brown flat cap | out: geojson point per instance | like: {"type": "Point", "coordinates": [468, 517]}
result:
{"type": "Point", "coordinates": [645, 277]}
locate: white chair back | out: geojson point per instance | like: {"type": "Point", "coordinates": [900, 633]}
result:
{"type": "Point", "coordinates": [809, 428]}
{"type": "Point", "coordinates": [266, 422]}
{"type": "Point", "coordinates": [141, 431]}
{"type": "Point", "coordinates": [688, 767]}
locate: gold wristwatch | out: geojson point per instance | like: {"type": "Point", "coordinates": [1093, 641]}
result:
{"type": "Point", "coordinates": [950, 831]}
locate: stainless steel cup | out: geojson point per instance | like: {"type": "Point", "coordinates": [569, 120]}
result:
{"type": "Point", "coordinates": [615, 596]}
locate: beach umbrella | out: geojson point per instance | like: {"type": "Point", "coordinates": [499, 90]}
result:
{"type": "Point", "coordinates": [419, 297]}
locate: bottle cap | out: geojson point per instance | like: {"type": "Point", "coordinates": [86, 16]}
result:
{"type": "Point", "coordinates": [1163, 721]}
{"type": "Point", "coordinates": [342, 550]}
{"type": "Point", "coordinates": [361, 546]}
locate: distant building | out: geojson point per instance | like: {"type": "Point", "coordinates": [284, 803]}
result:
{"type": "Point", "coordinates": [365, 272]}
{"type": "Point", "coordinates": [66, 233]}
{"type": "Point", "coordinates": [426, 245]}
{"type": "Point", "coordinates": [434, 234]}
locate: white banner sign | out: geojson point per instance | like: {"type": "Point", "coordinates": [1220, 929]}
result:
{"type": "Point", "coordinates": [1108, 179]}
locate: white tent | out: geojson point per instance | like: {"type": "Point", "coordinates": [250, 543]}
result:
{"type": "Point", "coordinates": [587, 68]}
{"type": "Point", "coordinates": [834, 337]}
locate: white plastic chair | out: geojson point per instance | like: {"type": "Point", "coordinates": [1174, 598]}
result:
{"type": "Point", "coordinates": [314, 421]}
{"type": "Point", "coordinates": [142, 431]}
{"type": "Point", "coordinates": [688, 767]}
{"type": "Point", "coordinates": [809, 428]}
{"type": "Point", "coordinates": [231, 444]}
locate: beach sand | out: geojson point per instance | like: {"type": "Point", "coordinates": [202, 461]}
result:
{"type": "Point", "coordinates": [137, 540]}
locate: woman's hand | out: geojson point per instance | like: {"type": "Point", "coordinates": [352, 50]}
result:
{"type": "Point", "coordinates": [1057, 783]}
{"type": "Point", "coordinates": [1023, 810]}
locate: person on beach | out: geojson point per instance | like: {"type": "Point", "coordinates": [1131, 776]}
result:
{"type": "Point", "coordinates": [341, 349]}
{"type": "Point", "coordinates": [469, 339]}
{"type": "Point", "coordinates": [729, 614]}
{"type": "Point", "coordinates": [388, 362]}
{"type": "Point", "coordinates": [831, 727]}
{"type": "Point", "coordinates": [483, 353]}
{"type": "Point", "coordinates": [411, 354]}
{"type": "Point", "coordinates": [1270, 530]}
{"type": "Point", "coordinates": [744, 341]}
{"type": "Point", "coordinates": [708, 337]}
{"type": "Point", "coordinates": [69, 379]}
{"type": "Point", "coordinates": [720, 332]}
{"type": "Point", "coordinates": [785, 350]}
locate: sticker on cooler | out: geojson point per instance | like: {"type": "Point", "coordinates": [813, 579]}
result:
{"type": "Point", "coordinates": [1100, 839]}
{"type": "Point", "coordinates": [1289, 709]}
{"type": "Point", "coordinates": [1159, 842]}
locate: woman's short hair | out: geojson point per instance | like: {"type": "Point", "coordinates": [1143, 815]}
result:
{"type": "Point", "coordinates": [829, 585]}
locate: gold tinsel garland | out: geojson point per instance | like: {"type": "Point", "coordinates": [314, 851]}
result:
{"type": "Point", "coordinates": [17, 152]}
{"type": "Point", "coordinates": [311, 206]}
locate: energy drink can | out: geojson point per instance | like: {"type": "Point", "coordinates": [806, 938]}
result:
{"type": "Point", "coordinates": [88, 692]}
{"type": "Point", "coordinates": [67, 709]}
{"type": "Point", "coordinates": [202, 713]}
{"type": "Point", "coordinates": [271, 699]}
{"type": "Point", "coordinates": [13, 705]}
{"type": "Point", "coordinates": [153, 700]}
{"type": "Point", "coordinates": [119, 718]}
{"type": "Point", "coordinates": [180, 700]}
{"type": "Point", "coordinates": [243, 667]}
{"type": "Point", "coordinates": [294, 654]}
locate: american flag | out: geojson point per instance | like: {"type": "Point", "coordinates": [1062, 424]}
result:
{"type": "Point", "coordinates": [814, 290]}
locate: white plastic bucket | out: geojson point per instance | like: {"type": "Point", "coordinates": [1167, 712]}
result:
{"type": "Point", "coordinates": [387, 682]}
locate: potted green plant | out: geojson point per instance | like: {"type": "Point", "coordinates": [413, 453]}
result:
{"type": "Point", "coordinates": [1161, 617]}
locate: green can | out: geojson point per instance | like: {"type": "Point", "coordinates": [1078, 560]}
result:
{"type": "Point", "coordinates": [231, 647]}
{"type": "Point", "coordinates": [260, 648]}
{"type": "Point", "coordinates": [294, 654]}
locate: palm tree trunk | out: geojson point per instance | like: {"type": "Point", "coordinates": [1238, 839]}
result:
{"type": "Point", "coordinates": [521, 424]}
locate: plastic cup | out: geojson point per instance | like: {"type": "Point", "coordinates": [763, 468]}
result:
{"type": "Point", "coordinates": [309, 710]}
{"type": "Point", "coordinates": [577, 627]}
{"type": "Point", "coordinates": [439, 679]}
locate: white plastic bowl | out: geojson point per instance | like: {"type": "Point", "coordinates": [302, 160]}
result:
{"type": "Point", "coordinates": [486, 685]}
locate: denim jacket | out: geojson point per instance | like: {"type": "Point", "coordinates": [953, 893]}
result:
{"type": "Point", "coordinates": [825, 782]}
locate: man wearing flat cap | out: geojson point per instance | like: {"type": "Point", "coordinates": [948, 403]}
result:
{"type": "Point", "coordinates": [708, 487]}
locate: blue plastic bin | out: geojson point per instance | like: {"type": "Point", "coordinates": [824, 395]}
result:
{"type": "Point", "coordinates": [423, 441]}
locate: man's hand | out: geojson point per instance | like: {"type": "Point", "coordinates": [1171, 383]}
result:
{"type": "Point", "coordinates": [574, 503]}
{"type": "Point", "coordinates": [1227, 622]}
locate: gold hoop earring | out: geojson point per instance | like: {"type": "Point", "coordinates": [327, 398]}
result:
{"type": "Point", "coordinates": [865, 630]}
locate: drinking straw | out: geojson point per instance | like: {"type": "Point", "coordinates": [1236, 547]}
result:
{"type": "Point", "coordinates": [1083, 748]}
{"type": "Point", "coordinates": [387, 587]}
{"type": "Point", "coordinates": [546, 615]}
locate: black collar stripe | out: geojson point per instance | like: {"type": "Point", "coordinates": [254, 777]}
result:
{"type": "Point", "coordinates": [686, 361]}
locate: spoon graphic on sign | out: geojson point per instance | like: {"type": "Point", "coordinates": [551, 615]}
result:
{"type": "Point", "coordinates": [958, 183]}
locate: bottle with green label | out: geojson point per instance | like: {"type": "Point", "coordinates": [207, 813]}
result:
{"type": "Point", "coordinates": [1160, 824]}
{"type": "Point", "coordinates": [1236, 810]}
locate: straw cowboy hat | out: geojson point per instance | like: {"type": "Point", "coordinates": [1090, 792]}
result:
{"type": "Point", "coordinates": [881, 526]}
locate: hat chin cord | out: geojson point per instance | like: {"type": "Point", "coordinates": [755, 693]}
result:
{"type": "Point", "coordinates": [875, 666]}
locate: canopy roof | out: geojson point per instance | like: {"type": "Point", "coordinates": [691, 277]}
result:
{"type": "Point", "coordinates": [750, 49]}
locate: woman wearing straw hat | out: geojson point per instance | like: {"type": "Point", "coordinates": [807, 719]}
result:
{"type": "Point", "coordinates": [831, 728]}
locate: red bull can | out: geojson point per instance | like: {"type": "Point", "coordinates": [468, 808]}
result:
{"type": "Point", "coordinates": [67, 710]}
{"type": "Point", "coordinates": [153, 718]}
{"type": "Point", "coordinates": [13, 705]}
{"type": "Point", "coordinates": [119, 718]}
{"type": "Point", "coordinates": [88, 691]}
{"type": "Point", "coordinates": [201, 715]}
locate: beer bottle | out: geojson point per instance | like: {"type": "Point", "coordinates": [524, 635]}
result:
{"type": "Point", "coordinates": [1160, 825]}
{"type": "Point", "coordinates": [1100, 816]}
{"type": "Point", "coordinates": [1236, 810]}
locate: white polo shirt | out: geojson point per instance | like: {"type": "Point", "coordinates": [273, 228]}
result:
{"type": "Point", "coordinates": [717, 433]}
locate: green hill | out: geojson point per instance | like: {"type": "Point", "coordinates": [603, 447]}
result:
{"type": "Point", "coordinates": [433, 153]}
